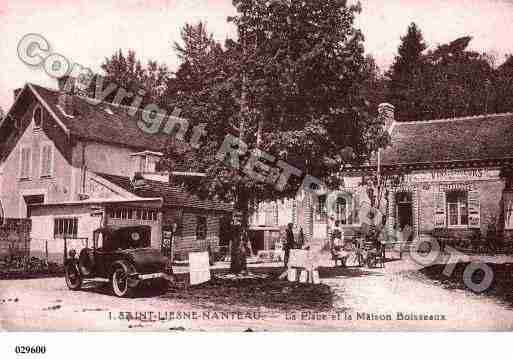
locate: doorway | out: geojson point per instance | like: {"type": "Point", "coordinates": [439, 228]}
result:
{"type": "Point", "coordinates": [257, 240]}
{"type": "Point", "coordinates": [33, 199]}
{"type": "Point", "coordinates": [404, 207]}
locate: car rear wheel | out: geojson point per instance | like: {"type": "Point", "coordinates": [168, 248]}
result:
{"type": "Point", "coordinates": [73, 276]}
{"type": "Point", "coordinates": [119, 281]}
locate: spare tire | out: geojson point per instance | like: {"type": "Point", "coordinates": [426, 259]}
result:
{"type": "Point", "coordinates": [120, 279]}
{"type": "Point", "coordinates": [86, 262]}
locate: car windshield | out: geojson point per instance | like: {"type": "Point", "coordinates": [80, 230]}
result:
{"type": "Point", "coordinates": [126, 238]}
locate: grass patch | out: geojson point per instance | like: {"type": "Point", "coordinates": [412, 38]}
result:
{"type": "Point", "coordinates": [270, 293]}
{"type": "Point", "coordinates": [501, 287]}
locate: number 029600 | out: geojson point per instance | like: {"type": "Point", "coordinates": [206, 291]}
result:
{"type": "Point", "coordinates": [30, 349]}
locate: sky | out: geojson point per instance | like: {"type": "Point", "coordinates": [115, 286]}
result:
{"type": "Point", "coordinates": [88, 31]}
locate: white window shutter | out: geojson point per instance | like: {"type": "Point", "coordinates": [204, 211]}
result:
{"type": "Point", "coordinates": [474, 209]}
{"type": "Point", "coordinates": [48, 160]}
{"type": "Point", "coordinates": [25, 163]}
{"type": "Point", "coordinates": [44, 160]}
{"type": "Point", "coordinates": [440, 210]}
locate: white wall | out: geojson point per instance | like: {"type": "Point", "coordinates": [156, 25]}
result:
{"type": "Point", "coordinates": [105, 158]}
{"type": "Point", "coordinates": [43, 226]}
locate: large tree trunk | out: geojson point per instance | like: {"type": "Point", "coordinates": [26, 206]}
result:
{"type": "Point", "coordinates": [238, 250]}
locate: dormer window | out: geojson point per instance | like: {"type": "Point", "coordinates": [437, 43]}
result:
{"type": "Point", "coordinates": [146, 162]}
{"type": "Point", "coordinates": [38, 117]}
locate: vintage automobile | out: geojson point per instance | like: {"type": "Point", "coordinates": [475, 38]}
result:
{"type": "Point", "coordinates": [123, 256]}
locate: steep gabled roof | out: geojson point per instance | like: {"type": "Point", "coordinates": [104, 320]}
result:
{"type": "Point", "coordinates": [19, 98]}
{"type": "Point", "coordinates": [478, 138]}
{"type": "Point", "coordinates": [112, 124]}
{"type": "Point", "coordinates": [103, 122]}
{"type": "Point", "coordinates": [173, 196]}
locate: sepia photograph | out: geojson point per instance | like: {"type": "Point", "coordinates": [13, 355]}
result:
{"type": "Point", "coordinates": [237, 166]}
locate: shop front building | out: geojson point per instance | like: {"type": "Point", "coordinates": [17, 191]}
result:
{"type": "Point", "coordinates": [453, 177]}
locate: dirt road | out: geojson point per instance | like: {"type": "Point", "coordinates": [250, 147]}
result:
{"type": "Point", "coordinates": [366, 300]}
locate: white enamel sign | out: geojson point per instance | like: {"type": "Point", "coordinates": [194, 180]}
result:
{"type": "Point", "coordinates": [199, 268]}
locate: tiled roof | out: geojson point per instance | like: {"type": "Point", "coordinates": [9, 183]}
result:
{"type": "Point", "coordinates": [172, 195]}
{"type": "Point", "coordinates": [108, 123]}
{"type": "Point", "coordinates": [103, 122]}
{"type": "Point", "coordinates": [487, 137]}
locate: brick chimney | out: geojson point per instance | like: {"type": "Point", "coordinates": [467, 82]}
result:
{"type": "Point", "coordinates": [67, 89]}
{"type": "Point", "coordinates": [66, 84]}
{"type": "Point", "coordinates": [65, 103]}
{"type": "Point", "coordinates": [386, 113]}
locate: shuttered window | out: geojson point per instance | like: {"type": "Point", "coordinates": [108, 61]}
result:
{"type": "Point", "coordinates": [440, 210]}
{"type": "Point", "coordinates": [46, 160]}
{"type": "Point", "coordinates": [25, 162]}
{"type": "Point", "coordinates": [457, 208]}
{"type": "Point", "coordinates": [474, 209]}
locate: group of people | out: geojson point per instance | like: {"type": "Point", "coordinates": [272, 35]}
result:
{"type": "Point", "coordinates": [337, 241]}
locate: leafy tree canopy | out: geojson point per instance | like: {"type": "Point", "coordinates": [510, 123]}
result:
{"type": "Point", "coordinates": [297, 71]}
{"type": "Point", "coordinates": [129, 73]}
{"type": "Point", "coordinates": [448, 81]}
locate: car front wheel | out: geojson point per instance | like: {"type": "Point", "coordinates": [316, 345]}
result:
{"type": "Point", "coordinates": [73, 276]}
{"type": "Point", "coordinates": [119, 281]}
